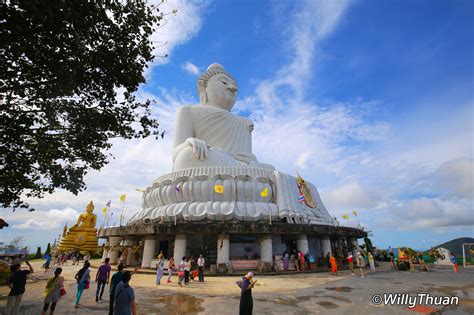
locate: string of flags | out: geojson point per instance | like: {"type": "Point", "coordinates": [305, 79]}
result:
{"type": "Point", "coordinates": [219, 189]}
{"type": "Point", "coordinates": [346, 216]}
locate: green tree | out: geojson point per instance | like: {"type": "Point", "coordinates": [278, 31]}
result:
{"type": "Point", "coordinates": [38, 253]}
{"type": "Point", "coordinates": [68, 75]}
{"type": "Point", "coordinates": [48, 249]}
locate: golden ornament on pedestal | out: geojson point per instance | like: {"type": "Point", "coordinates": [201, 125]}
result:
{"type": "Point", "coordinates": [82, 236]}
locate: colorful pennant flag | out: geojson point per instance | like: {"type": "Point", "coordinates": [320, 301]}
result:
{"type": "Point", "coordinates": [140, 190]}
{"type": "Point", "coordinates": [354, 213]}
{"type": "Point", "coordinates": [122, 197]}
{"type": "Point", "coordinates": [264, 193]}
{"type": "Point", "coordinates": [301, 198]}
{"type": "Point", "coordinates": [108, 203]}
{"type": "Point", "coordinates": [219, 189]}
{"type": "Point", "coordinates": [104, 210]}
{"type": "Point", "coordinates": [345, 216]}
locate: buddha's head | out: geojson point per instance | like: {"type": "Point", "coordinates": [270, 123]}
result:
{"type": "Point", "coordinates": [217, 88]}
{"type": "Point", "coordinates": [90, 207]}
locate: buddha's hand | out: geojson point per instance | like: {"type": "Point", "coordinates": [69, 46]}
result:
{"type": "Point", "coordinates": [200, 148]}
{"type": "Point", "coordinates": [246, 158]}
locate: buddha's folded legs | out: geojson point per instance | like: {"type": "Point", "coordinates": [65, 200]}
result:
{"type": "Point", "coordinates": [185, 159]}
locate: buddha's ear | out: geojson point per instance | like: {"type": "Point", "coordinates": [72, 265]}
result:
{"type": "Point", "coordinates": [202, 92]}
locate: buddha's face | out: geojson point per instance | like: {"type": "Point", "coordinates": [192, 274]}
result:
{"type": "Point", "coordinates": [221, 92]}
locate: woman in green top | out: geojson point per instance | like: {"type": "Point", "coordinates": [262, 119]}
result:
{"type": "Point", "coordinates": [53, 291]}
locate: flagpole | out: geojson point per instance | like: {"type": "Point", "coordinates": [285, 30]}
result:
{"type": "Point", "coordinates": [107, 216]}
{"type": "Point", "coordinates": [121, 215]}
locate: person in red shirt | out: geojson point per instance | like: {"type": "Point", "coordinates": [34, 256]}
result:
{"type": "Point", "coordinates": [350, 260]}
{"type": "Point", "coordinates": [301, 260]}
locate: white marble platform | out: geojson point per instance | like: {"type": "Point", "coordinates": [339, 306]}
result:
{"type": "Point", "coordinates": [188, 195]}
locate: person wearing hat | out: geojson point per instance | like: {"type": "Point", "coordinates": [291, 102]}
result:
{"type": "Point", "coordinates": [160, 265]}
{"type": "Point", "coordinates": [246, 301]}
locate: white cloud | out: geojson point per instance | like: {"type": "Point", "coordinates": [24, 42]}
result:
{"type": "Point", "coordinates": [456, 177]}
{"type": "Point", "coordinates": [43, 220]}
{"type": "Point", "coordinates": [178, 28]}
{"type": "Point", "coordinates": [190, 68]}
{"type": "Point", "coordinates": [433, 213]}
{"type": "Point", "coordinates": [351, 196]}
{"type": "Point", "coordinates": [311, 23]}
{"type": "Point", "coordinates": [136, 164]}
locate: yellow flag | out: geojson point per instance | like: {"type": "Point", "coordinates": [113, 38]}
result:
{"type": "Point", "coordinates": [104, 210]}
{"type": "Point", "coordinates": [122, 197]}
{"type": "Point", "coordinates": [264, 193]}
{"type": "Point", "coordinates": [345, 216]}
{"type": "Point", "coordinates": [219, 189]}
{"type": "Point", "coordinates": [354, 213]}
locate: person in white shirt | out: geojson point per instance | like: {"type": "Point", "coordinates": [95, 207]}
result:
{"type": "Point", "coordinates": [201, 264]}
{"type": "Point", "coordinates": [187, 269]}
{"type": "Point", "coordinates": [361, 264]}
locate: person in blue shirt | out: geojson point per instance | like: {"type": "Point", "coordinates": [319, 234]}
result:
{"type": "Point", "coordinates": [116, 279]}
{"type": "Point", "coordinates": [125, 297]}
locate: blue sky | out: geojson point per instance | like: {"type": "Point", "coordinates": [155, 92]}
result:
{"type": "Point", "coordinates": [370, 100]}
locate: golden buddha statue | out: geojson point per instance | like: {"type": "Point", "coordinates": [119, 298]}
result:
{"type": "Point", "coordinates": [82, 236]}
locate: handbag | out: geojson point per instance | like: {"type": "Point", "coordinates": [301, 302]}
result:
{"type": "Point", "coordinates": [87, 285]}
{"type": "Point", "coordinates": [181, 274]}
{"type": "Point", "coordinates": [62, 292]}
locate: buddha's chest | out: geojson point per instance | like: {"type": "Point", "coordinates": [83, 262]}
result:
{"type": "Point", "coordinates": [223, 130]}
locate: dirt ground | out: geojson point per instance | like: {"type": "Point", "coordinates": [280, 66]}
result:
{"type": "Point", "coordinates": [162, 299]}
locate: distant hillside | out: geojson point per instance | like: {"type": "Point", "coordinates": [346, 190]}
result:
{"type": "Point", "coordinates": [455, 246]}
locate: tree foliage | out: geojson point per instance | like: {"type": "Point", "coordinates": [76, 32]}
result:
{"type": "Point", "coordinates": [38, 253]}
{"type": "Point", "coordinates": [17, 241]}
{"type": "Point", "coordinates": [48, 249]}
{"type": "Point", "coordinates": [68, 75]}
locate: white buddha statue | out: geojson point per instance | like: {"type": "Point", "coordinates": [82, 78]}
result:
{"type": "Point", "coordinates": [216, 177]}
{"type": "Point", "coordinates": [209, 134]}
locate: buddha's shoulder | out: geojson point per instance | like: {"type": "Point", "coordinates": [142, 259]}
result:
{"type": "Point", "coordinates": [186, 108]}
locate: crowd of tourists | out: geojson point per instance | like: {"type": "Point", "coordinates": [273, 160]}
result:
{"type": "Point", "coordinates": [122, 295]}
{"type": "Point", "coordinates": [188, 269]}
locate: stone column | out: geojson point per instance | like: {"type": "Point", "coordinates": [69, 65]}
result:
{"type": "Point", "coordinates": [129, 242]}
{"type": "Point", "coordinates": [325, 245]}
{"type": "Point", "coordinates": [114, 242]}
{"type": "Point", "coordinates": [266, 249]}
{"type": "Point", "coordinates": [105, 253]}
{"type": "Point", "coordinates": [302, 243]}
{"type": "Point", "coordinates": [179, 247]}
{"type": "Point", "coordinates": [148, 250]}
{"type": "Point", "coordinates": [266, 252]}
{"type": "Point", "coordinates": [355, 246]}
{"type": "Point", "coordinates": [223, 250]}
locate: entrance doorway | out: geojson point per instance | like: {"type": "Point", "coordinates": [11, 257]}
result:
{"type": "Point", "coordinates": [164, 245]}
